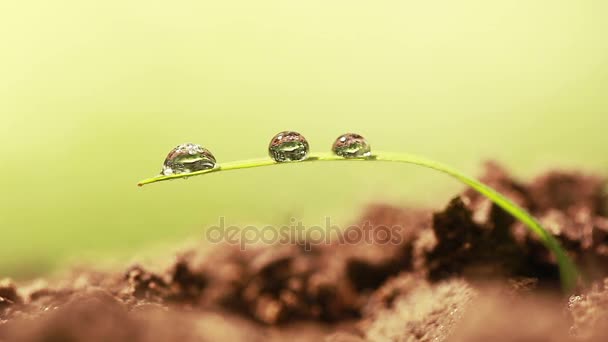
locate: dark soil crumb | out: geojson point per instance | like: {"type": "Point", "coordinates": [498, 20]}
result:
{"type": "Point", "coordinates": [468, 272]}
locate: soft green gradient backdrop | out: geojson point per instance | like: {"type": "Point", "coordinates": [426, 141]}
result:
{"type": "Point", "coordinates": [93, 94]}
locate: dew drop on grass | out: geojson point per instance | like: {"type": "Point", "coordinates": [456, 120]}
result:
{"type": "Point", "coordinates": [187, 158]}
{"type": "Point", "coordinates": [288, 146]}
{"type": "Point", "coordinates": [351, 145]}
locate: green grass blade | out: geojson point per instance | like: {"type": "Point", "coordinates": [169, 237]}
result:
{"type": "Point", "coordinates": [567, 269]}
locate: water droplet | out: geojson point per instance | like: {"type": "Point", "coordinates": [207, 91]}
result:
{"type": "Point", "coordinates": [288, 146]}
{"type": "Point", "coordinates": [187, 158]}
{"type": "Point", "coordinates": [351, 145]}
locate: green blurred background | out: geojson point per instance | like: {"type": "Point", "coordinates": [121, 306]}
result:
{"type": "Point", "coordinates": [93, 94]}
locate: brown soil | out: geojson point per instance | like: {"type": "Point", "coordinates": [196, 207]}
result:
{"type": "Point", "coordinates": [466, 273]}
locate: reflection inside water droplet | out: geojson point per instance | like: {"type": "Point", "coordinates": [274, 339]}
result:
{"type": "Point", "coordinates": [187, 158]}
{"type": "Point", "coordinates": [351, 145]}
{"type": "Point", "coordinates": [288, 146]}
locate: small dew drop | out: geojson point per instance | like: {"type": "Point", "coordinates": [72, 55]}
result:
{"type": "Point", "coordinates": [187, 158]}
{"type": "Point", "coordinates": [351, 145]}
{"type": "Point", "coordinates": [288, 146]}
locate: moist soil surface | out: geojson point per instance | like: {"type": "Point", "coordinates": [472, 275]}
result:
{"type": "Point", "coordinates": [465, 272]}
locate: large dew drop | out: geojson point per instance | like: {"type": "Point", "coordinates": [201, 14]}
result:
{"type": "Point", "coordinates": [187, 158]}
{"type": "Point", "coordinates": [351, 145]}
{"type": "Point", "coordinates": [288, 146]}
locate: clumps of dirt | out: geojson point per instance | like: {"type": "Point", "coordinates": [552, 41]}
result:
{"type": "Point", "coordinates": [295, 283]}
{"type": "Point", "coordinates": [465, 273]}
{"type": "Point", "coordinates": [178, 284]}
{"type": "Point", "coordinates": [463, 246]}
{"type": "Point", "coordinates": [8, 295]}
{"type": "Point", "coordinates": [496, 316]}
{"type": "Point", "coordinates": [284, 283]}
{"type": "Point", "coordinates": [431, 311]}
{"type": "Point", "coordinates": [569, 191]}
{"type": "Point", "coordinates": [95, 314]}
{"type": "Point", "coordinates": [476, 238]}
{"type": "Point", "coordinates": [574, 207]}
{"type": "Point", "coordinates": [370, 263]}
{"type": "Point", "coordinates": [590, 313]}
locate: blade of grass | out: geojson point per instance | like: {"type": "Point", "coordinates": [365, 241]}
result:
{"type": "Point", "coordinates": [567, 269]}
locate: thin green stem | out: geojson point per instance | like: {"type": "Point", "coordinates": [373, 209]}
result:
{"type": "Point", "coordinates": [568, 271]}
